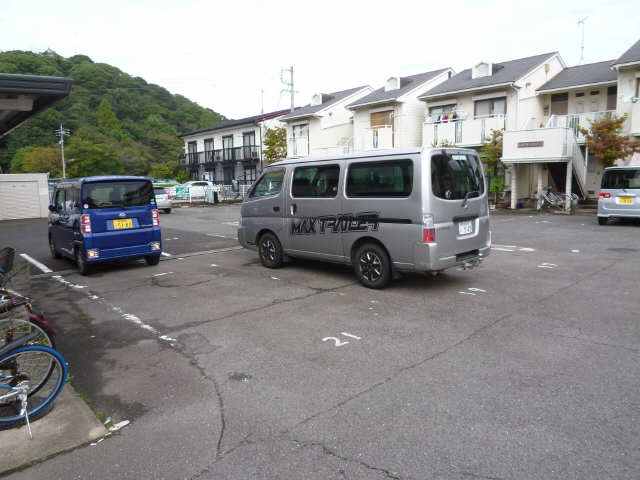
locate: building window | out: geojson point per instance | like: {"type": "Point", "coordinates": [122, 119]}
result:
{"type": "Point", "coordinates": [379, 121]}
{"type": "Point", "coordinates": [492, 107]}
{"type": "Point", "coordinates": [249, 145]}
{"type": "Point", "coordinates": [250, 174]}
{"type": "Point", "coordinates": [612, 93]}
{"type": "Point", "coordinates": [227, 148]}
{"type": "Point", "coordinates": [442, 113]}
{"type": "Point", "coordinates": [192, 149]}
{"type": "Point", "coordinates": [300, 138]}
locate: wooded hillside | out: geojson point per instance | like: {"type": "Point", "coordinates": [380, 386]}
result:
{"type": "Point", "coordinates": [118, 123]}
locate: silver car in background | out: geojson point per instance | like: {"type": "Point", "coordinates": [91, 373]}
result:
{"type": "Point", "coordinates": [162, 199]}
{"type": "Point", "coordinates": [383, 212]}
{"type": "Point", "coordinates": [619, 194]}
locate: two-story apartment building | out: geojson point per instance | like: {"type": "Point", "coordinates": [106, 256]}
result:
{"type": "Point", "coordinates": [229, 150]}
{"type": "Point", "coordinates": [324, 126]}
{"type": "Point", "coordinates": [549, 150]}
{"type": "Point", "coordinates": [391, 116]}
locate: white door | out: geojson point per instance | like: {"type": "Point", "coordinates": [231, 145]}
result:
{"type": "Point", "coordinates": [19, 200]}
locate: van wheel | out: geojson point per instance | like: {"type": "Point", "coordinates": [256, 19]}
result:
{"type": "Point", "coordinates": [270, 251]}
{"type": "Point", "coordinates": [152, 259]}
{"type": "Point", "coordinates": [81, 261]}
{"type": "Point", "coordinates": [603, 220]}
{"type": "Point", "coordinates": [167, 210]}
{"type": "Point", "coordinates": [52, 247]}
{"type": "Point", "coordinates": [372, 266]}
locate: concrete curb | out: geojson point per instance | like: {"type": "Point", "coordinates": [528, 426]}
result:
{"type": "Point", "coordinates": [70, 424]}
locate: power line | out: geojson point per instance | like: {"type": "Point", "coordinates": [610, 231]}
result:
{"type": "Point", "coordinates": [62, 132]}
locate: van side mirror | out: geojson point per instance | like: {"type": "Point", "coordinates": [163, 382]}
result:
{"type": "Point", "coordinates": [52, 207]}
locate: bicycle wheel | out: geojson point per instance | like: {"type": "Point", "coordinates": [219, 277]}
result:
{"type": "Point", "coordinates": [13, 328]}
{"type": "Point", "coordinates": [28, 366]}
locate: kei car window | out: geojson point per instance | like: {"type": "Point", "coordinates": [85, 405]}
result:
{"type": "Point", "coordinates": [269, 184]}
{"type": "Point", "coordinates": [117, 193]}
{"type": "Point", "coordinates": [321, 181]}
{"type": "Point", "coordinates": [621, 178]}
{"type": "Point", "coordinates": [59, 201]}
{"type": "Point", "coordinates": [454, 176]}
{"type": "Point", "coordinates": [380, 179]}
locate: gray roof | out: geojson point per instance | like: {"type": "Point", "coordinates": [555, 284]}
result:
{"type": "Point", "coordinates": [406, 84]}
{"type": "Point", "coordinates": [328, 99]}
{"type": "Point", "coordinates": [234, 123]}
{"type": "Point", "coordinates": [630, 56]}
{"type": "Point", "coordinates": [581, 75]}
{"type": "Point", "coordinates": [503, 73]}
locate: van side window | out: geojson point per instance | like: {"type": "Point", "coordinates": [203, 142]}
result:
{"type": "Point", "coordinates": [269, 184]}
{"type": "Point", "coordinates": [59, 201]}
{"type": "Point", "coordinates": [454, 176]}
{"type": "Point", "coordinates": [315, 181]}
{"type": "Point", "coordinates": [380, 179]}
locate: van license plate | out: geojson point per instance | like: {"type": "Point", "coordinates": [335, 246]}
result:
{"type": "Point", "coordinates": [122, 223]}
{"type": "Point", "coordinates": [627, 200]}
{"type": "Point", "coordinates": [465, 228]}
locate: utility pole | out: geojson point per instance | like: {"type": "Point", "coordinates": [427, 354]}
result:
{"type": "Point", "coordinates": [581, 23]}
{"type": "Point", "coordinates": [289, 84]}
{"type": "Point", "coordinates": [62, 132]}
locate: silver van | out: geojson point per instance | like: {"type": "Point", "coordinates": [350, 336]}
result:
{"type": "Point", "coordinates": [619, 194]}
{"type": "Point", "coordinates": [389, 211]}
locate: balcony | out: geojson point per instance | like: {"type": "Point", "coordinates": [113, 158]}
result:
{"type": "Point", "coordinates": [298, 147]}
{"type": "Point", "coordinates": [460, 132]}
{"type": "Point", "coordinates": [537, 145]}
{"type": "Point", "coordinates": [635, 118]}
{"type": "Point", "coordinates": [576, 121]}
{"type": "Point", "coordinates": [248, 154]}
{"type": "Point", "coordinates": [378, 137]}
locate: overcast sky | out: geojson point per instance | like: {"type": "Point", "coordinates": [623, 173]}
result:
{"type": "Point", "coordinates": [220, 54]}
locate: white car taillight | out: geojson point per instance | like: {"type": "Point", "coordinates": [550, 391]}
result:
{"type": "Point", "coordinates": [85, 223]}
{"type": "Point", "coordinates": [428, 229]}
{"type": "Point", "coordinates": [155, 216]}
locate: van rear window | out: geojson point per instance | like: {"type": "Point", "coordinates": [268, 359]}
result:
{"type": "Point", "coordinates": [119, 193]}
{"type": "Point", "coordinates": [380, 179]}
{"type": "Point", "coordinates": [454, 175]}
{"type": "Point", "coordinates": [621, 178]}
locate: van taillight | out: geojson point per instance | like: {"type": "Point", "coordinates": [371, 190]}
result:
{"type": "Point", "coordinates": [86, 223]}
{"type": "Point", "coordinates": [428, 229]}
{"type": "Point", "coordinates": [155, 216]}
{"type": "Point", "coordinates": [605, 195]}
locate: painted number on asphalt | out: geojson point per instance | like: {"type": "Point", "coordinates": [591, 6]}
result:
{"type": "Point", "coordinates": [338, 342]}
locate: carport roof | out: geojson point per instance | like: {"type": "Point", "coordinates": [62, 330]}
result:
{"type": "Point", "coordinates": [23, 96]}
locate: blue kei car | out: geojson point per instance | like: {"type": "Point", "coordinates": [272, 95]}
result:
{"type": "Point", "coordinates": [96, 219]}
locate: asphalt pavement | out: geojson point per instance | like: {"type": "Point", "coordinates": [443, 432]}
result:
{"type": "Point", "coordinates": [526, 367]}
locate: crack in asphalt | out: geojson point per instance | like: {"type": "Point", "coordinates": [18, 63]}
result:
{"type": "Point", "coordinates": [584, 341]}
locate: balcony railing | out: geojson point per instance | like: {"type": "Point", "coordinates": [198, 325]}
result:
{"type": "Point", "coordinates": [577, 121]}
{"type": "Point", "coordinates": [380, 137]}
{"type": "Point", "coordinates": [247, 154]}
{"type": "Point", "coordinates": [460, 132]}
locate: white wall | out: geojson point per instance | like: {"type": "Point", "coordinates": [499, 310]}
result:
{"type": "Point", "coordinates": [626, 90]}
{"type": "Point", "coordinates": [24, 195]}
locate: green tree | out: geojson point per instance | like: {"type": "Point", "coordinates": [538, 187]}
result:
{"type": "Point", "coordinates": [108, 123]}
{"type": "Point", "coordinates": [163, 170]}
{"type": "Point", "coordinates": [275, 141]}
{"type": "Point", "coordinates": [490, 153]}
{"type": "Point", "coordinates": [18, 159]}
{"type": "Point", "coordinates": [92, 159]}
{"type": "Point", "coordinates": [605, 141]}
{"type": "Point", "coordinates": [43, 160]}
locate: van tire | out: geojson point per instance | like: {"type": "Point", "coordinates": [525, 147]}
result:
{"type": "Point", "coordinates": [270, 251]}
{"type": "Point", "coordinates": [167, 210]}
{"type": "Point", "coordinates": [52, 248]}
{"type": "Point", "coordinates": [372, 266]}
{"type": "Point", "coordinates": [81, 261]}
{"type": "Point", "coordinates": [152, 259]}
{"type": "Point", "coordinates": [603, 220]}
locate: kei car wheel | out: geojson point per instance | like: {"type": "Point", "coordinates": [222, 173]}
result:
{"type": "Point", "coordinates": [52, 248]}
{"type": "Point", "coordinates": [603, 220]}
{"type": "Point", "coordinates": [372, 266]}
{"type": "Point", "coordinates": [270, 251]}
{"type": "Point", "coordinates": [81, 261]}
{"type": "Point", "coordinates": [152, 259]}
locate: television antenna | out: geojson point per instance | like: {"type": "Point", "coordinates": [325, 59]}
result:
{"type": "Point", "coordinates": [581, 24]}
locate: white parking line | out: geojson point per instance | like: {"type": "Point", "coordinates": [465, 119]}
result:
{"type": "Point", "coordinates": [36, 263]}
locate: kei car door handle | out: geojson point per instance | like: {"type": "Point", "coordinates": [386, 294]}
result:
{"type": "Point", "coordinates": [294, 208]}
{"type": "Point", "coordinates": [276, 209]}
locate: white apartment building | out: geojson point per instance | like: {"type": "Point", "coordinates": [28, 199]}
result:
{"type": "Point", "coordinates": [391, 116]}
{"type": "Point", "coordinates": [548, 150]}
{"type": "Point", "coordinates": [230, 150]}
{"type": "Point", "coordinates": [323, 127]}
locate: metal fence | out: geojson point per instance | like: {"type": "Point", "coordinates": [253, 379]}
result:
{"type": "Point", "coordinates": [222, 192]}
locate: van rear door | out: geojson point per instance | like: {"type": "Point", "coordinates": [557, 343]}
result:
{"type": "Point", "coordinates": [120, 212]}
{"type": "Point", "coordinates": [458, 202]}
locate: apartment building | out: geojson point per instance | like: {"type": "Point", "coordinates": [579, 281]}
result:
{"type": "Point", "coordinates": [230, 150]}
{"type": "Point", "coordinates": [323, 127]}
{"type": "Point", "coordinates": [549, 150]}
{"type": "Point", "coordinates": [391, 116]}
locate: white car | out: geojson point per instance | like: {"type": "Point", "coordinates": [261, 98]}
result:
{"type": "Point", "coordinates": [163, 201]}
{"type": "Point", "coordinates": [197, 188]}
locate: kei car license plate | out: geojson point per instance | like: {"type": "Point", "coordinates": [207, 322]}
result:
{"type": "Point", "coordinates": [626, 200]}
{"type": "Point", "coordinates": [122, 223]}
{"type": "Point", "coordinates": [465, 228]}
